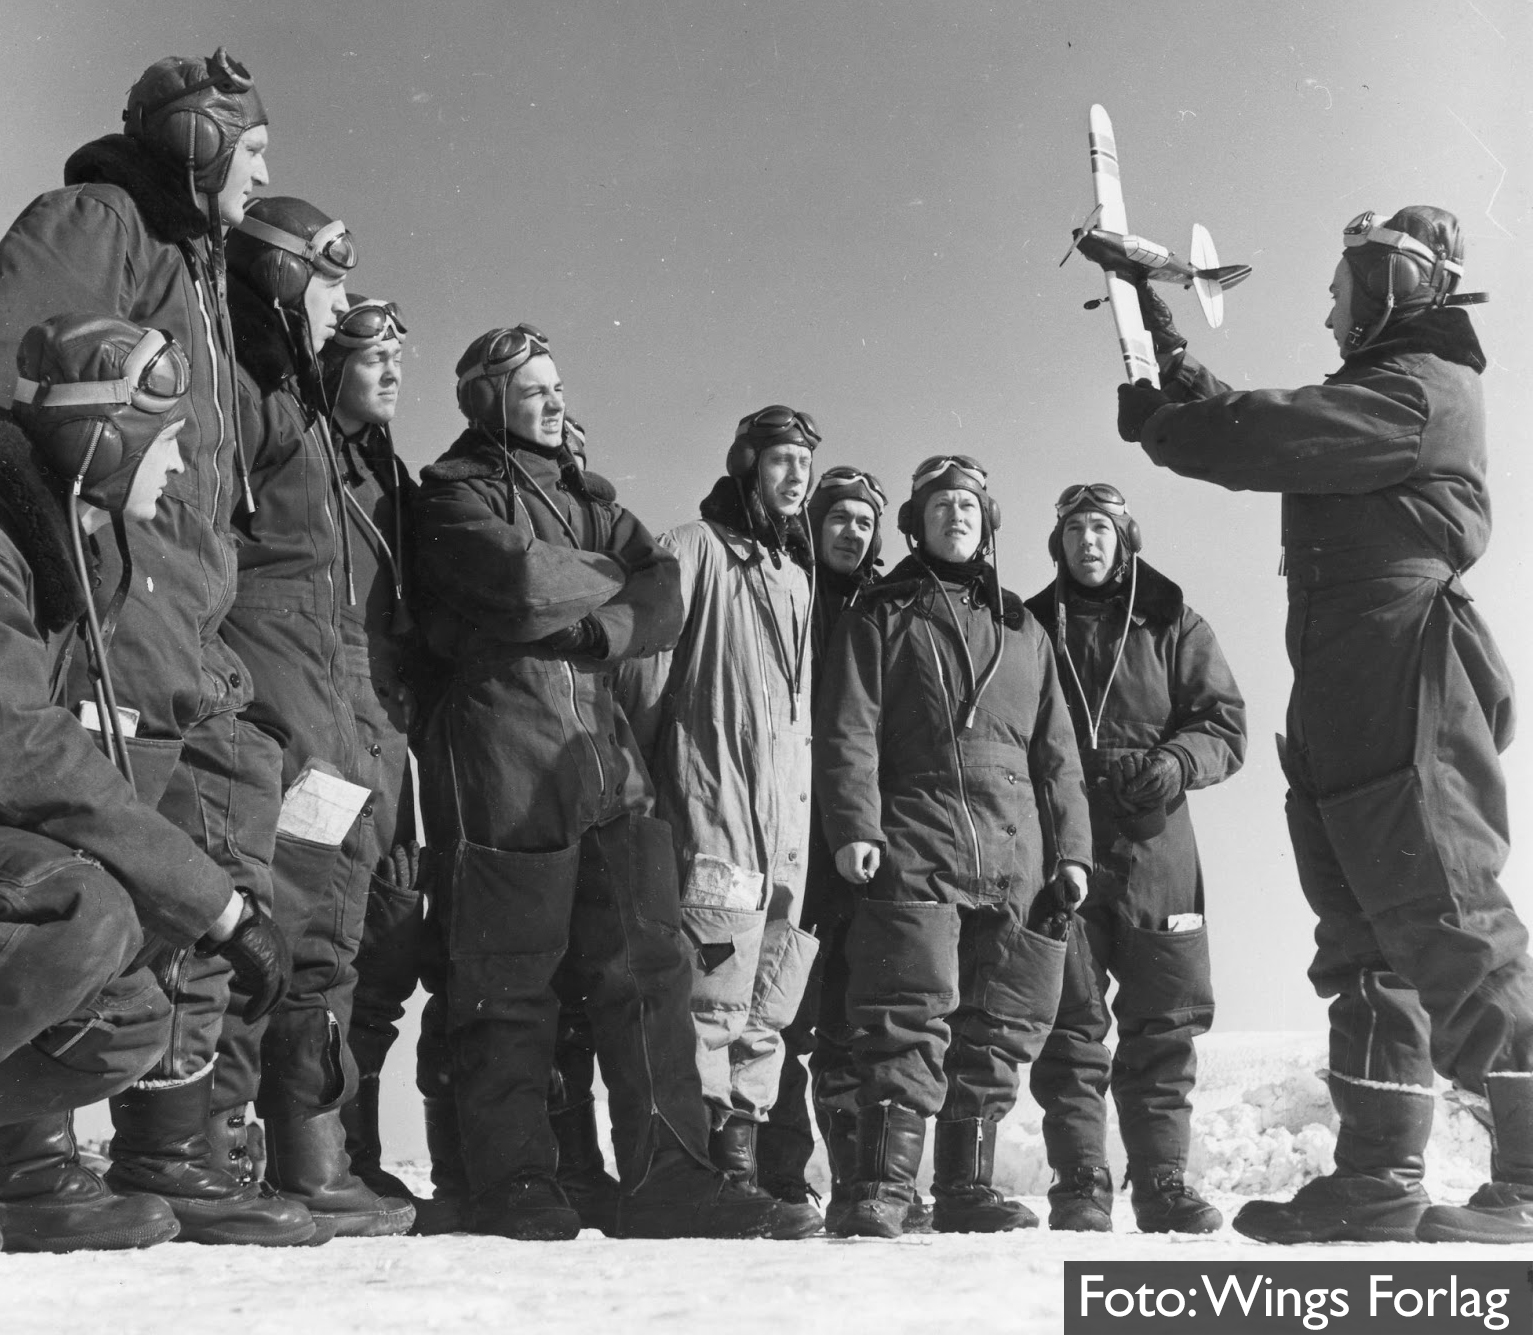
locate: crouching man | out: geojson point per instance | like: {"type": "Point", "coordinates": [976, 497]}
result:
{"type": "Point", "coordinates": [87, 871]}
{"type": "Point", "coordinates": [951, 788]}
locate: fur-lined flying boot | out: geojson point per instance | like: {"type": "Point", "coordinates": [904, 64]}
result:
{"type": "Point", "coordinates": [890, 1138]}
{"type": "Point", "coordinates": [681, 1196]}
{"type": "Point", "coordinates": [1164, 1203]}
{"type": "Point", "coordinates": [306, 1161]}
{"type": "Point", "coordinates": [838, 1129]}
{"type": "Point", "coordinates": [732, 1147]}
{"type": "Point", "coordinates": [1081, 1200]}
{"type": "Point", "coordinates": [161, 1148]}
{"type": "Point", "coordinates": [51, 1202]}
{"type": "Point", "coordinates": [964, 1166]}
{"type": "Point", "coordinates": [1501, 1211]}
{"type": "Point", "coordinates": [1375, 1193]}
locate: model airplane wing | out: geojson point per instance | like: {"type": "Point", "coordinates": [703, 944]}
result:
{"type": "Point", "coordinates": [1133, 341]}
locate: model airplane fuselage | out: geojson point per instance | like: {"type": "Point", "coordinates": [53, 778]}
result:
{"type": "Point", "coordinates": [1135, 258]}
{"type": "Point", "coordinates": [1128, 260]}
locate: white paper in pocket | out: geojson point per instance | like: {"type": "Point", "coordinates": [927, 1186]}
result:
{"type": "Point", "coordinates": [714, 883]}
{"type": "Point", "coordinates": [320, 807]}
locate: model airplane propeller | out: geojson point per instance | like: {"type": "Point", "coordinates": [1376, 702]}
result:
{"type": "Point", "coordinates": [1127, 260]}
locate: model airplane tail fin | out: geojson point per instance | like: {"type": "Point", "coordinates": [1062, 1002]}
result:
{"type": "Point", "coordinates": [1209, 279]}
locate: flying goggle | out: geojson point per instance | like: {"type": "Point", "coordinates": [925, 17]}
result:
{"type": "Point", "coordinates": [1445, 272]}
{"type": "Point", "coordinates": [779, 425]}
{"type": "Point", "coordinates": [1101, 496]}
{"type": "Point", "coordinates": [842, 475]}
{"type": "Point", "coordinates": [368, 323]}
{"type": "Point", "coordinates": [934, 468]}
{"type": "Point", "coordinates": [509, 349]}
{"type": "Point", "coordinates": [155, 377]}
{"type": "Point", "coordinates": [330, 251]}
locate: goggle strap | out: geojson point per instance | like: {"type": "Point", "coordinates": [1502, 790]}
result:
{"type": "Point", "coordinates": [531, 347]}
{"type": "Point", "coordinates": [87, 393]}
{"type": "Point", "coordinates": [78, 395]}
{"type": "Point", "coordinates": [1402, 241]}
{"type": "Point", "coordinates": [313, 251]}
{"type": "Point", "coordinates": [932, 474]}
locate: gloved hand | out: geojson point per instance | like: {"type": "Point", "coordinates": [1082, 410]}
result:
{"type": "Point", "coordinates": [1049, 914]}
{"type": "Point", "coordinates": [1137, 403]}
{"type": "Point", "coordinates": [1144, 780]}
{"type": "Point", "coordinates": [400, 866]}
{"type": "Point", "coordinates": [1158, 323]}
{"type": "Point", "coordinates": [587, 638]}
{"type": "Point", "coordinates": [261, 958]}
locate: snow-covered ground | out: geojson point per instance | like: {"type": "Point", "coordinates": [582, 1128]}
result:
{"type": "Point", "coordinates": [1263, 1125]}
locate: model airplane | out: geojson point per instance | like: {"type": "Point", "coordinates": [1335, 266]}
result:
{"type": "Point", "coordinates": [1127, 260]}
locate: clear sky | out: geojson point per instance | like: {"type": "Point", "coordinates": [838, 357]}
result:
{"type": "Point", "coordinates": [858, 208]}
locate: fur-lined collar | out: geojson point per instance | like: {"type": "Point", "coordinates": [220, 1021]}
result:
{"type": "Point", "coordinates": [913, 574]}
{"type": "Point", "coordinates": [476, 454]}
{"type": "Point", "coordinates": [1444, 332]}
{"type": "Point", "coordinates": [1157, 599]}
{"type": "Point", "coordinates": [32, 513]}
{"type": "Point", "coordinates": [157, 185]}
{"type": "Point", "coordinates": [735, 506]}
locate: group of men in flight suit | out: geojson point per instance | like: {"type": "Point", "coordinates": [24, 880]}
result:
{"type": "Point", "coordinates": [692, 807]}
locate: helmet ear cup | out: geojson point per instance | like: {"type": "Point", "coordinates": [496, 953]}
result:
{"type": "Point", "coordinates": [740, 462]}
{"type": "Point", "coordinates": [904, 520]}
{"type": "Point", "coordinates": [279, 276]}
{"type": "Point", "coordinates": [190, 127]}
{"type": "Point", "coordinates": [479, 399]}
{"type": "Point", "coordinates": [70, 441]}
{"type": "Point", "coordinates": [1129, 532]}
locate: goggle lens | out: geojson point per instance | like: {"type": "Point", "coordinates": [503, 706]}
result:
{"type": "Point", "coordinates": [1101, 495]}
{"type": "Point", "coordinates": [778, 420]}
{"type": "Point", "coordinates": [843, 476]}
{"type": "Point", "coordinates": [374, 322]}
{"type": "Point", "coordinates": [935, 468]}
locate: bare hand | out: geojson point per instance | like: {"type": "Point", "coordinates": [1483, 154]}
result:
{"type": "Point", "coordinates": [858, 861]}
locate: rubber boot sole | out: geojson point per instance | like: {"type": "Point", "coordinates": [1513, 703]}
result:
{"type": "Point", "coordinates": [792, 1220]}
{"type": "Point", "coordinates": [1460, 1223]}
{"type": "Point", "coordinates": [128, 1235]}
{"type": "Point", "coordinates": [872, 1219]}
{"type": "Point", "coordinates": [1272, 1221]}
{"type": "Point", "coordinates": [371, 1223]}
{"type": "Point", "coordinates": [1093, 1219]}
{"type": "Point", "coordinates": [984, 1219]}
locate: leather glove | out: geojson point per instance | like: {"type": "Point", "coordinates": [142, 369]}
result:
{"type": "Point", "coordinates": [1137, 403]}
{"type": "Point", "coordinates": [400, 867]}
{"type": "Point", "coordinates": [262, 961]}
{"type": "Point", "coordinates": [1164, 335]}
{"type": "Point", "coordinates": [587, 638]}
{"type": "Point", "coordinates": [1153, 782]}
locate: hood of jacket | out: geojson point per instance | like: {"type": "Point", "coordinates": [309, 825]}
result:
{"type": "Point", "coordinates": [1157, 598]}
{"type": "Point", "coordinates": [32, 512]}
{"type": "Point", "coordinates": [157, 186]}
{"type": "Point", "coordinates": [1445, 332]}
